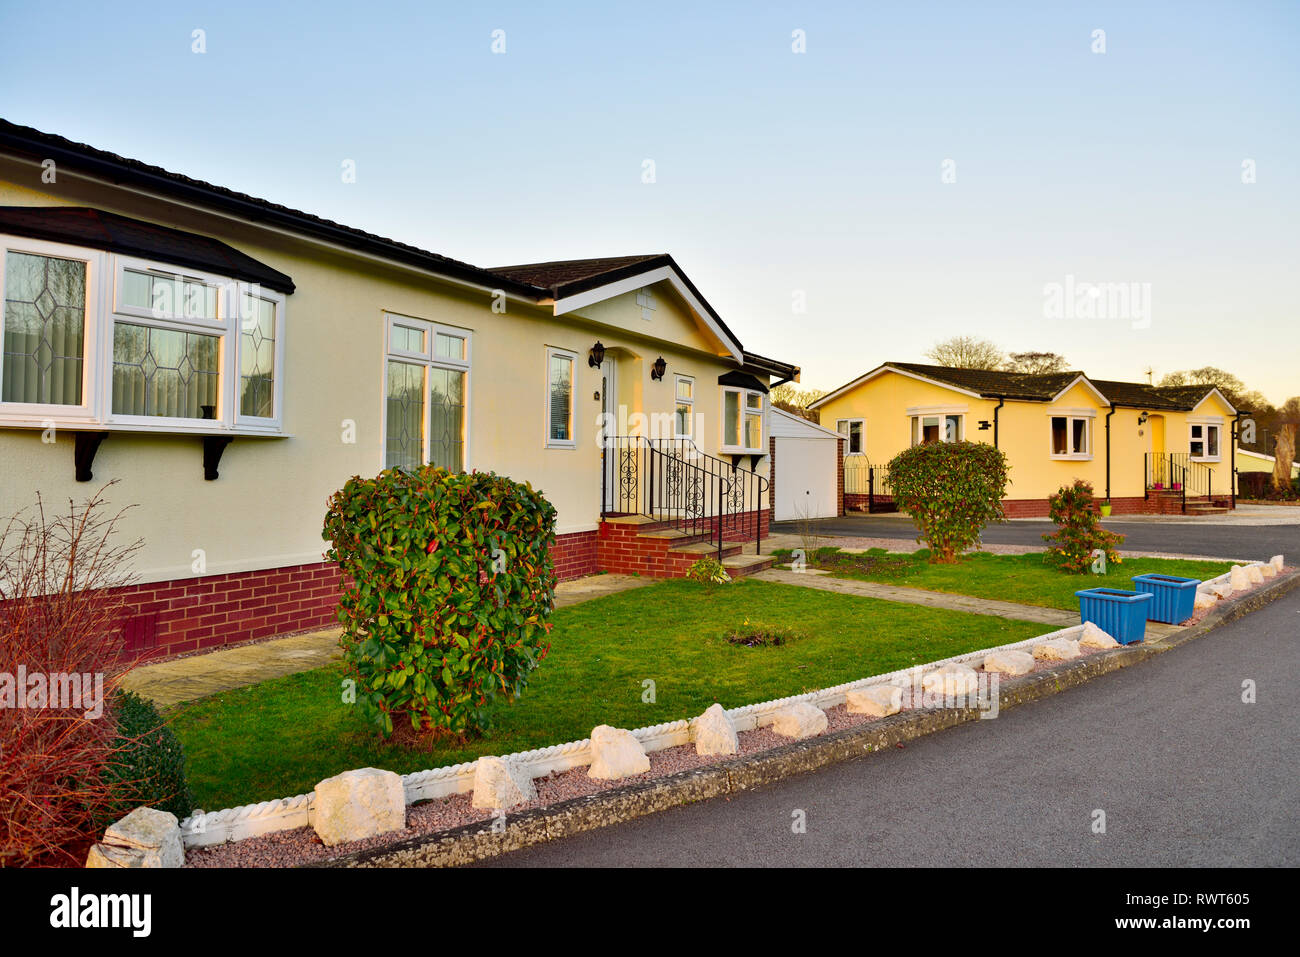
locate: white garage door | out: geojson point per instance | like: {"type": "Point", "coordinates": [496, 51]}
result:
{"type": "Point", "coordinates": [805, 478]}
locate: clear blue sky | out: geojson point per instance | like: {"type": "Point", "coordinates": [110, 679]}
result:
{"type": "Point", "coordinates": [775, 171]}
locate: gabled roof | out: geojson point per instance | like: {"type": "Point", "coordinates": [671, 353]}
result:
{"type": "Point", "coordinates": [82, 226]}
{"type": "Point", "coordinates": [1000, 384]}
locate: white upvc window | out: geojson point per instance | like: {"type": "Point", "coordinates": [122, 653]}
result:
{"type": "Point", "coordinates": [102, 339]}
{"type": "Point", "coordinates": [426, 394]}
{"type": "Point", "coordinates": [854, 430]}
{"type": "Point", "coordinates": [743, 412]}
{"type": "Point", "coordinates": [1204, 441]}
{"type": "Point", "coordinates": [561, 369]}
{"type": "Point", "coordinates": [938, 427]}
{"type": "Point", "coordinates": [684, 411]}
{"type": "Point", "coordinates": [1070, 437]}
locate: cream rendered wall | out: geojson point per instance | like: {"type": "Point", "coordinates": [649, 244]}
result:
{"type": "Point", "coordinates": [266, 508]}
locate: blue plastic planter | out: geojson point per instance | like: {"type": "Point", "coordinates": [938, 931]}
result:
{"type": "Point", "coordinates": [1121, 614]}
{"type": "Point", "coordinates": [1173, 599]}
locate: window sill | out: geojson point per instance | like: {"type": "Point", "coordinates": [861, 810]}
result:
{"type": "Point", "coordinates": [1205, 460]}
{"type": "Point", "coordinates": [735, 450]}
{"type": "Point", "coordinates": [561, 445]}
{"type": "Point", "coordinates": [1072, 457]}
{"type": "Point", "coordinates": [95, 425]}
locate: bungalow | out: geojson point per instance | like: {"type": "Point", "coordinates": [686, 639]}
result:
{"type": "Point", "coordinates": [1144, 448]}
{"type": "Point", "coordinates": [231, 362]}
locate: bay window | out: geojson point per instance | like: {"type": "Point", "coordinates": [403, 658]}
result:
{"type": "Point", "coordinates": [96, 339]}
{"type": "Point", "coordinates": [742, 420]}
{"type": "Point", "coordinates": [426, 393]}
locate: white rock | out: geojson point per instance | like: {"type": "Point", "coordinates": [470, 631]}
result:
{"type": "Point", "coordinates": [1267, 569]}
{"type": "Point", "coordinates": [799, 720]}
{"type": "Point", "coordinates": [1056, 649]}
{"type": "Point", "coordinates": [714, 732]}
{"type": "Point", "coordinates": [1009, 662]}
{"type": "Point", "coordinates": [951, 679]}
{"type": "Point", "coordinates": [358, 804]}
{"type": "Point", "coordinates": [501, 785]}
{"type": "Point", "coordinates": [144, 838]}
{"type": "Point", "coordinates": [1205, 599]}
{"type": "Point", "coordinates": [1277, 563]}
{"type": "Point", "coordinates": [1095, 637]}
{"type": "Point", "coordinates": [1222, 589]}
{"type": "Point", "coordinates": [1255, 575]}
{"type": "Point", "coordinates": [1238, 578]}
{"type": "Point", "coordinates": [879, 701]}
{"type": "Point", "coordinates": [616, 753]}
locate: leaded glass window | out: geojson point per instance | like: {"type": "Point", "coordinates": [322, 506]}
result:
{"type": "Point", "coordinates": [44, 329]}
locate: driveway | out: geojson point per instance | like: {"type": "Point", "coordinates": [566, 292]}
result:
{"type": "Point", "coordinates": [1173, 535]}
{"type": "Point", "coordinates": [1186, 773]}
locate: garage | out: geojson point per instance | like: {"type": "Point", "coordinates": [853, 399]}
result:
{"type": "Point", "coordinates": [806, 468]}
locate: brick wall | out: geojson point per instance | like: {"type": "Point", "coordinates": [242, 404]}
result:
{"type": "Point", "coordinates": [575, 555]}
{"type": "Point", "coordinates": [839, 476]}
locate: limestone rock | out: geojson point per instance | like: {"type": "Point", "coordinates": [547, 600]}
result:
{"type": "Point", "coordinates": [1222, 589]}
{"type": "Point", "coordinates": [501, 785]}
{"type": "Point", "coordinates": [358, 804]}
{"type": "Point", "coordinates": [616, 753]}
{"type": "Point", "coordinates": [878, 701]}
{"type": "Point", "coordinates": [1277, 563]}
{"type": "Point", "coordinates": [714, 732]}
{"type": "Point", "coordinates": [1009, 662]}
{"type": "Point", "coordinates": [1056, 649]}
{"type": "Point", "coordinates": [1205, 599]}
{"type": "Point", "coordinates": [1095, 637]}
{"type": "Point", "coordinates": [1267, 569]}
{"type": "Point", "coordinates": [1255, 575]}
{"type": "Point", "coordinates": [799, 720]}
{"type": "Point", "coordinates": [146, 838]}
{"type": "Point", "coordinates": [1238, 578]}
{"type": "Point", "coordinates": [951, 679]}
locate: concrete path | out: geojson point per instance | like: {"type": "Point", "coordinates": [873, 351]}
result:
{"type": "Point", "coordinates": [1187, 773]}
{"type": "Point", "coordinates": [1054, 617]}
{"type": "Point", "coordinates": [196, 676]}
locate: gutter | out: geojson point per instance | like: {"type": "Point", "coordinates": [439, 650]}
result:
{"type": "Point", "coordinates": [1002, 400]}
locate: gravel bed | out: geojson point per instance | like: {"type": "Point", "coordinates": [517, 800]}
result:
{"type": "Point", "coordinates": [902, 546]}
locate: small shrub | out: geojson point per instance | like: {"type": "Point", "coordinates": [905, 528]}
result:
{"type": "Point", "coordinates": [60, 616]}
{"type": "Point", "coordinates": [951, 490]}
{"type": "Point", "coordinates": [709, 571]}
{"type": "Point", "coordinates": [749, 635]}
{"type": "Point", "coordinates": [1079, 532]}
{"type": "Point", "coordinates": [149, 765]}
{"type": "Point", "coordinates": [447, 584]}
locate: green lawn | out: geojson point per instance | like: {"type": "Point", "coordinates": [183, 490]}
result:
{"type": "Point", "coordinates": [280, 737]}
{"type": "Point", "coordinates": [1020, 578]}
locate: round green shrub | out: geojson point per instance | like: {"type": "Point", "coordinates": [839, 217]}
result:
{"type": "Point", "coordinates": [148, 767]}
{"type": "Point", "coordinates": [951, 490]}
{"type": "Point", "coordinates": [448, 581]}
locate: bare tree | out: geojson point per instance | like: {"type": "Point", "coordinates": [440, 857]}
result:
{"type": "Point", "coordinates": [796, 401]}
{"type": "Point", "coordinates": [1036, 363]}
{"type": "Point", "coordinates": [1225, 382]}
{"type": "Point", "coordinates": [966, 352]}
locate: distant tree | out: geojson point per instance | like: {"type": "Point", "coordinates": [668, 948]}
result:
{"type": "Point", "coordinates": [1288, 418]}
{"type": "Point", "coordinates": [796, 401]}
{"type": "Point", "coordinates": [966, 352]}
{"type": "Point", "coordinates": [1225, 382]}
{"type": "Point", "coordinates": [1036, 363]}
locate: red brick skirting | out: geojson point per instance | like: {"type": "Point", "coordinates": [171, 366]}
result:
{"type": "Point", "coordinates": [575, 555]}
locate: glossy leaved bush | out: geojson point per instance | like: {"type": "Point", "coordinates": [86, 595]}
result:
{"type": "Point", "coordinates": [951, 490]}
{"type": "Point", "coordinates": [1078, 530]}
{"type": "Point", "coordinates": [448, 582]}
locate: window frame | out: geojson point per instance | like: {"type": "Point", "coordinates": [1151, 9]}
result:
{"type": "Point", "coordinates": [1204, 425]}
{"type": "Point", "coordinates": [105, 272]}
{"type": "Point", "coordinates": [916, 423]}
{"type": "Point", "coordinates": [1071, 416]}
{"type": "Point", "coordinates": [743, 392]}
{"type": "Point", "coordinates": [689, 403]}
{"type": "Point", "coordinates": [426, 361]}
{"type": "Point", "coordinates": [572, 441]}
{"type": "Point", "coordinates": [848, 436]}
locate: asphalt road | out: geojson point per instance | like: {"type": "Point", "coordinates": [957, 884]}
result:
{"type": "Point", "coordinates": [1186, 773]}
{"type": "Point", "coordinates": [1257, 542]}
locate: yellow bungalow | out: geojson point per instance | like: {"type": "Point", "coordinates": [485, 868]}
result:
{"type": "Point", "coordinates": [1144, 448]}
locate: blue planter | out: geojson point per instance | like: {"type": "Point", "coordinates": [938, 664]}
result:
{"type": "Point", "coordinates": [1173, 599]}
{"type": "Point", "coordinates": [1121, 614]}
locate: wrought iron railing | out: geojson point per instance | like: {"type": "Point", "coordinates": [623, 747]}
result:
{"type": "Point", "coordinates": [672, 481]}
{"type": "Point", "coordinates": [1178, 472]}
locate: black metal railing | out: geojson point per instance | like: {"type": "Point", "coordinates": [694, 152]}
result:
{"type": "Point", "coordinates": [673, 482]}
{"type": "Point", "coordinates": [1178, 472]}
{"type": "Point", "coordinates": [863, 478]}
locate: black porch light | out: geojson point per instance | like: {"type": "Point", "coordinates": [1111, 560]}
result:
{"type": "Point", "coordinates": [659, 368]}
{"type": "Point", "coordinates": [1142, 419]}
{"type": "Point", "coordinates": [597, 355]}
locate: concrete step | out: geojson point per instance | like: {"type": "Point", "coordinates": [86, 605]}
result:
{"type": "Point", "coordinates": [700, 549]}
{"type": "Point", "coordinates": [738, 566]}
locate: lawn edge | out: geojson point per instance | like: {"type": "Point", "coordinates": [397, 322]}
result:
{"type": "Point", "coordinates": [484, 840]}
